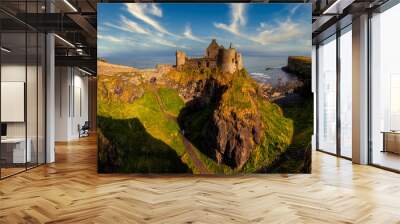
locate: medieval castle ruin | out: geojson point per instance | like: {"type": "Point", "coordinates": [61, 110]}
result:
{"type": "Point", "coordinates": [216, 56]}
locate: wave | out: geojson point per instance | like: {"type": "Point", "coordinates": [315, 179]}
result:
{"type": "Point", "coordinates": [260, 75]}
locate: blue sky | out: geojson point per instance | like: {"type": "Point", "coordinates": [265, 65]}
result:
{"type": "Point", "coordinates": [131, 29]}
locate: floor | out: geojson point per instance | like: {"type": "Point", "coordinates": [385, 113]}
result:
{"type": "Point", "coordinates": [387, 159]}
{"type": "Point", "coordinates": [5, 172]}
{"type": "Point", "coordinates": [10, 171]}
{"type": "Point", "coordinates": [71, 191]}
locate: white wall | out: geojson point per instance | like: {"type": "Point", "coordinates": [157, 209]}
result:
{"type": "Point", "coordinates": [16, 73]}
{"type": "Point", "coordinates": [62, 82]}
{"type": "Point", "coordinates": [71, 94]}
{"type": "Point", "coordinates": [33, 126]}
{"type": "Point", "coordinates": [12, 73]}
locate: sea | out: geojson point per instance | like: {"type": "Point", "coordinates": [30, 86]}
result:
{"type": "Point", "coordinates": [265, 69]}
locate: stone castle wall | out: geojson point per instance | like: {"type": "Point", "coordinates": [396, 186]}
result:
{"type": "Point", "coordinates": [228, 60]}
{"type": "Point", "coordinates": [201, 63]}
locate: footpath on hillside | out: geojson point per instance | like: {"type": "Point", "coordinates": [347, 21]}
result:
{"type": "Point", "coordinates": [188, 146]}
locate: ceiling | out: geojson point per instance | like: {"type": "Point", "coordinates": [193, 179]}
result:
{"type": "Point", "coordinates": [75, 23]}
{"type": "Point", "coordinates": [331, 15]}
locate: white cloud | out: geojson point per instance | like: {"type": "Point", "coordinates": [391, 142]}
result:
{"type": "Point", "coordinates": [140, 12]}
{"type": "Point", "coordinates": [110, 38]}
{"type": "Point", "coordinates": [155, 10]}
{"type": "Point", "coordinates": [266, 33]}
{"type": "Point", "coordinates": [118, 27]}
{"type": "Point", "coordinates": [284, 31]}
{"type": "Point", "coordinates": [148, 36]}
{"type": "Point", "coordinates": [238, 19]}
{"type": "Point", "coordinates": [133, 26]}
{"type": "Point", "coordinates": [165, 42]}
{"type": "Point", "coordinates": [189, 35]}
{"type": "Point", "coordinates": [294, 9]}
{"type": "Point", "coordinates": [146, 42]}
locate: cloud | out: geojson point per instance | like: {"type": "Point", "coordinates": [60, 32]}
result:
{"type": "Point", "coordinates": [155, 10]}
{"type": "Point", "coordinates": [110, 38]}
{"type": "Point", "coordinates": [133, 26]}
{"type": "Point", "coordinates": [266, 33]}
{"type": "Point", "coordinates": [140, 11]}
{"type": "Point", "coordinates": [294, 9]}
{"type": "Point", "coordinates": [189, 35]}
{"type": "Point", "coordinates": [238, 19]}
{"type": "Point", "coordinates": [127, 25]}
{"type": "Point", "coordinates": [118, 27]}
{"type": "Point", "coordinates": [145, 42]}
{"type": "Point", "coordinates": [284, 31]}
{"type": "Point", "coordinates": [164, 42]}
{"type": "Point", "coordinates": [168, 43]}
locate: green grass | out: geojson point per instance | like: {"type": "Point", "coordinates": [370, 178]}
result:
{"type": "Point", "coordinates": [241, 99]}
{"type": "Point", "coordinates": [171, 100]}
{"type": "Point", "coordinates": [278, 135]}
{"type": "Point", "coordinates": [238, 96]}
{"type": "Point", "coordinates": [162, 131]}
{"type": "Point", "coordinates": [297, 157]}
{"type": "Point", "coordinates": [133, 149]}
{"type": "Point", "coordinates": [302, 116]}
{"type": "Point", "coordinates": [147, 110]}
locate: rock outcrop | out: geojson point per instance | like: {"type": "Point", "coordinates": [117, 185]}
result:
{"type": "Point", "coordinates": [299, 65]}
{"type": "Point", "coordinates": [223, 118]}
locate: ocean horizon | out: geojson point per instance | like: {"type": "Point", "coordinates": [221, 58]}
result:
{"type": "Point", "coordinates": [265, 69]}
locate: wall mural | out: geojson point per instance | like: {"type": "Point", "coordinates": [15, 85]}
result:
{"type": "Point", "coordinates": [204, 88]}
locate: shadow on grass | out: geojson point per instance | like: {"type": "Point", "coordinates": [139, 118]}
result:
{"type": "Point", "coordinates": [196, 118]}
{"type": "Point", "coordinates": [297, 158]}
{"type": "Point", "coordinates": [124, 146]}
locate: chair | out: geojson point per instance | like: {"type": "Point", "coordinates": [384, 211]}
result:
{"type": "Point", "coordinates": [84, 130]}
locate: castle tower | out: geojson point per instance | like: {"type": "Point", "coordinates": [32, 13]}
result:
{"type": "Point", "coordinates": [239, 61]}
{"type": "Point", "coordinates": [227, 60]}
{"type": "Point", "coordinates": [212, 49]}
{"type": "Point", "coordinates": [180, 59]}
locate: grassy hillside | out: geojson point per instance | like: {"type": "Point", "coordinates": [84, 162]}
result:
{"type": "Point", "coordinates": [133, 149]}
{"type": "Point", "coordinates": [297, 159]}
{"type": "Point", "coordinates": [159, 133]}
{"type": "Point", "coordinates": [147, 111]}
{"type": "Point", "coordinates": [241, 100]}
{"type": "Point", "coordinates": [138, 126]}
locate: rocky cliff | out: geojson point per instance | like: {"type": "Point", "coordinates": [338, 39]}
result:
{"type": "Point", "coordinates": [224, 116]}
{"type": "Point", "coordinates": [227, 119]}
{"type": "Point", "coordinates": [299, 65]}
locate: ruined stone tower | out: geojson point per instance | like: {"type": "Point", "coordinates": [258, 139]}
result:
{"type": "Point", "coordinates": [239, 61]}
{"type": "Point", "coordinates": [180, 58]}
{"type": "Point", "coordinates": [212, 49]}
{"type": "Point", "coordinates": [216, 56]}
{"type": "Point", "coordinates": [227, 59]}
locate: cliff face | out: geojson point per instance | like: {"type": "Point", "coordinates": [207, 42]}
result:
{"type": "Point", "coordinates": [224, 116]}
{"type": "Point", "coordinates": [299, 65]}
{"type": "Point", "coordinates": [225, 119]}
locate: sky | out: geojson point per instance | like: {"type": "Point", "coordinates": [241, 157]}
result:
{"type": "Point", "coordinates": [147, 29]}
